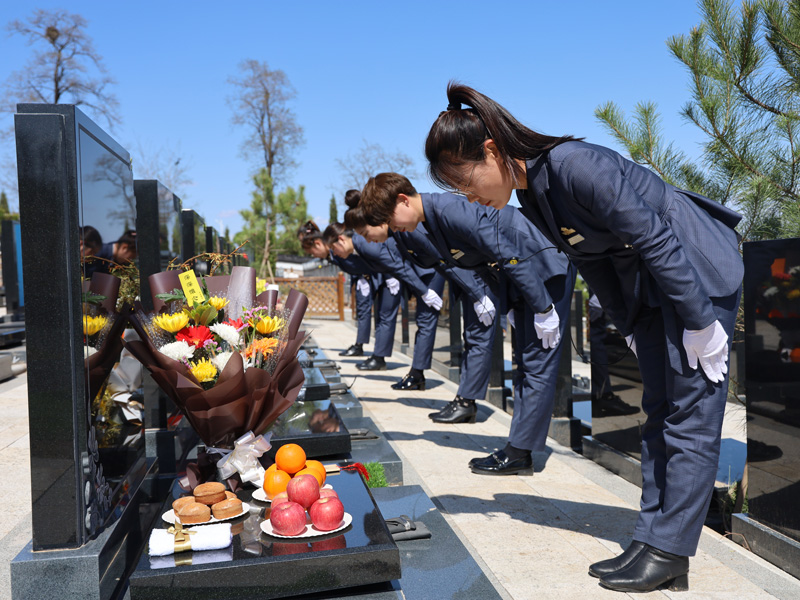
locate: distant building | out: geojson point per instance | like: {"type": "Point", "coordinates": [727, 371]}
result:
{"type": "Point", "coordinates": [303, 266]}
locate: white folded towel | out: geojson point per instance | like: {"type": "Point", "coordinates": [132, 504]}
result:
{"type": "Point", "coordinates": [206, 537]}
{"type": "Point", "coordinates": [192, 558]}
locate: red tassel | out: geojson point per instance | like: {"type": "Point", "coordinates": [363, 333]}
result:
{"type": "Point", "coordinates": [357, 467]}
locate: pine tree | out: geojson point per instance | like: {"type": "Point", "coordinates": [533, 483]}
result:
{"type": "Point", "coordinates": [4, 210]}
{"type": "Point", "coordinates": [744, 68]}
{"type": "Point", "coordinates": [291, 209]}
{"type": "Point", "coordinates": [333, 211]}
{"type": "Point", "coordinates": [259, 227]}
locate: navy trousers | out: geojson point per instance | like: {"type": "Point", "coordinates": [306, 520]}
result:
{"type": "Point", "coordinates": [476, 361]}
{"type": "Point", "coordinates": [537, 369]}
{"type": "Point", "coordinates": [364, 315]}
{"type": "Point", "coordinates": [682, 435]}
{"type": "Point", "coordinates": [386, 305]}
{"type": "Point", "coordinates": [427, 320]}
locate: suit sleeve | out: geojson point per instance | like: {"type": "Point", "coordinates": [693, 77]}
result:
{"type": "Point", "coordinates": [599, 184]}
{"type": "Point", "coordinates": [402, 269]}
{"type": "Point", "coordinates": [476, 227]}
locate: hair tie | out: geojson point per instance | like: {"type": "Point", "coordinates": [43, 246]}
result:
{"type": "Point", "coordinates": [454, 105]}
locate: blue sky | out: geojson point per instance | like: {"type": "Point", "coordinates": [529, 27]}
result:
{"type": "Point", "coordinates": [369, 71]}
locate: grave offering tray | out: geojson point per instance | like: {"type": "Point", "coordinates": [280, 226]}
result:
{"type": "Point", "coordinates": [258, 565]}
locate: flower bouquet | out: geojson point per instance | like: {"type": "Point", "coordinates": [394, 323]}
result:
{"type": "Point", "coordinates": [226, 357]}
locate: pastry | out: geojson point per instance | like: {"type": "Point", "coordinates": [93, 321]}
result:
{"type": "Point", "coordinates": [194, 513]}
{"type": "Point", "coordinates": [229, 495]}
{"type": "Point", "coordinates": [209, 493]}
{"type": "Point", "coordinates": [231, 507]}
{"type": "Point", "coordinates": [181, 502]}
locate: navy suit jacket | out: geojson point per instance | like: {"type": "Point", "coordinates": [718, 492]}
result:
{"type": "Point", "coordinates": [356, 267]}
{"type": "Point", "coordinates": [633, 236]}
{"type": "Point", "coordinates": [386, 258]}
{"type": "Point", "coordinates": [472, 236]}
{"type": "Point", "coordinates": [417, 248]}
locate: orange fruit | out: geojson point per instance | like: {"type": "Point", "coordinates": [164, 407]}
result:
{"type": "Point", "coordinates": [313, 472]}
{"type": "Point", "coordinates": [315, 464]}
{"type": "Point", "coordinates": [272, 467]}
{"type": "Point", "coordinates": [276, 482]}
{"type": "Point", "coordinates": [290, 458]}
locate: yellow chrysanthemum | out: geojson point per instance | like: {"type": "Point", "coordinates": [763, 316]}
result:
{"type": "Point", "coordinates": [264, 346]}
{"type": "Point", "coordinates": [793, 294]}
{"type": "Point", "coordinates": [266, 325]}
{"type": "Point", "coordinates": [217, 302]}
{"type": "Point", "coordinates": [203, 370]}
{"type": "Point", "coordinates": [172, 323]}
{"type": "Point", "coordinates": [92, 325]}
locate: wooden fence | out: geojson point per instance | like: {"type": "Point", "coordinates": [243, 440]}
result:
{"type": "Point", "coordinates": [325, 294]}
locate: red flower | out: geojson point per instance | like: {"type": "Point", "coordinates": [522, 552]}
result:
{"type": "Point", "coordinates": [238, 324]}
{"type": "Point", "coordinates": [194, 335]}
{"type": "Point", "coordinates": [782, 276]}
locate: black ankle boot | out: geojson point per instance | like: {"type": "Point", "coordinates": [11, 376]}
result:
{"type": "Point", "coordinates": [462, 410]}
{"type": "Point", "coordinates": [650, 570]}
{"type": "Point", "coordinates": [604, 567]}
{"type": "Point", "coordinates": [448, 408]}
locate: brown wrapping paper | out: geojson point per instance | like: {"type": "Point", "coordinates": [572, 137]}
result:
{"type": "Point", "coordinates": [241, 400]}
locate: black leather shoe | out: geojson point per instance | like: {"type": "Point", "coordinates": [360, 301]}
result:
{"type": "Point", "coordinates": [373, 363]}
{"type": "Point", "coordinates": [354, 350]}
{"type": "Point", "coordinates": [604, 567]}
{"type": "Point", "coordinates": [410, 382]}
{"type": "Point", "coordinates": [650, 570]}
{"type": "Point", "coordinates": [498, 463]}
{"type": "Point", "coordinates": [449, 407]}
{"type": "Point", "coordinates": [458, 411]}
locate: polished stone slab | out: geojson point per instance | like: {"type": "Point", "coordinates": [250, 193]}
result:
{"type": "Point", "coordinates": [263, 566]}
{"type": "Point", "coordinates": [314, 425]}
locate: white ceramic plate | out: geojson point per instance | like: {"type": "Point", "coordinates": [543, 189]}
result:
{"type": "Point", "coordinates": [310, 530]}
{"type": "Point", "coordinates": [261, 495]}
{"type": "Point", "coordinates": [169, 516]}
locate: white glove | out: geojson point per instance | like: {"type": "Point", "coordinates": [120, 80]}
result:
{"type": "Point", "coordinates": [631, 344]}
{"type": "Point", "coordinates": [432, 299]}
{"type": "Point", "coordinates": [363, 287]}
{"type": "Point", "coordinates": [546, 325]}
{"type": "Point", "coordinates": [393, 285]}
{"type": "Point", "coordinates": [710, 346]}
{"type": "Point", "coordinates": [485, 310]}
{"type": "Point", "coordinates": [510, 317]}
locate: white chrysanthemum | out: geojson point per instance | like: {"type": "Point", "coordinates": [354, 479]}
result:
{"type": "Point", "coordinates": [770, 292]}
{"type": "Point", "coordinates": [795, 270]}
{"type": "Point", "coordinates": [220, 360]}
{"type": "Point", "coordinates": [228, 333]}
{"type": "Point", "coordinates": [177, 350]}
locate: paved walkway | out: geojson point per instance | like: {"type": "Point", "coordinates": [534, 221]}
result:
{"type": "Point", "coordinates": [535, 535]}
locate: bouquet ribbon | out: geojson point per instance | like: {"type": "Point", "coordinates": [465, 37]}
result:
{"type": "Point", "coordinates": [243, 459]}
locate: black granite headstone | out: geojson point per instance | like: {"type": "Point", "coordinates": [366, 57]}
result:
{"type": "Point", "coordinates": [772, 358]}
{"type": "Point", "coordinates": [84, 464]}
{"type": "Point", "coordinates": [11, 244]}
{"type": "Point", "coordinates": [193, 240]}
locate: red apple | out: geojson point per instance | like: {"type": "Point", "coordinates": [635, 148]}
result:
{"type": "Point", "coordinates": [304, 490]}
{"type": "Point", "coordinates": [327, 513]}
{"type": "Point", "coordinates": [280, 499]}
{"type": "Point", "coordinates": [288, 518]}
{"type": "Point", "coordinates": [335, 543]}
{"type": "Point", "coordinates": [328, 493]}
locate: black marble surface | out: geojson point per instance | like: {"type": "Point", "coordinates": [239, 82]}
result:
{"type": "Point", "coordinates": [316, 386]}
{"type": "Point", "coordinates": [193, 240]}
{"type": "Point", "coordinates": [71, 174]}
{"type": "Point", "coordinates": [772, 357]}
{"type": "Point", "coordinates": [262, 566]}
{"type": "Point", "coordinates": [11, 247]}
{"type": "Point", "coordinates": [314, 425]}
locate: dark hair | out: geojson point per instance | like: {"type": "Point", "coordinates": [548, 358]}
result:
{"type": "Point", "coordinates": [91, 237]}
{"type": "Point", "coordinates": [379, 196]}
{"type": "Point", "coordinates": [333, 231]}
{"type": "Point", "coordinates": [308, 233]}
{"type": "Point", "coordinates": [354, 218]}
{"type": "Point", "coordinates": [457, 135]}
{"type": "Point", "coordinates": [129, 237]}
{"type": "Point", "coordinates": [352, 198]}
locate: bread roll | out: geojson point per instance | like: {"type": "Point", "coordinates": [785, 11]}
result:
{"type": "Point", "coordinates": [229, 495]}
{"type": "Point", "coordinates": [194, 513]}
{"type": "Point", "coordinates": [181, 502]}
{"type": "Point", "coordinates": [227, 508]}
{"type": "Point", "coordinates": [209, 493]}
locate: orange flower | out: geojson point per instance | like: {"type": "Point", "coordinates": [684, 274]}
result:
{"type": "Point", "coordinates": [265, 346]}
